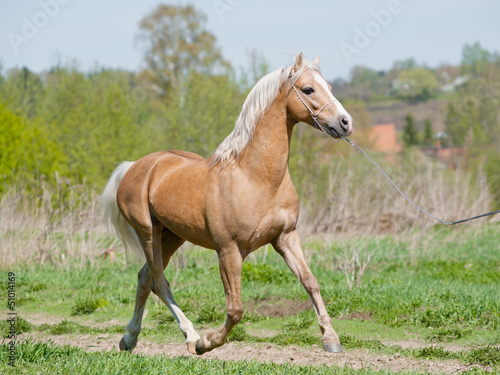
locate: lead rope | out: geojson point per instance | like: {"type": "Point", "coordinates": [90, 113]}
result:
{"type": "Point", "coordinates": [408, 199]}
{"type": "Point", "coordinates": [318, 126]}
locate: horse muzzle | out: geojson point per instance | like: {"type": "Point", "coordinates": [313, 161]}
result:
{"type": "Point", "coordinates": [343, 128]}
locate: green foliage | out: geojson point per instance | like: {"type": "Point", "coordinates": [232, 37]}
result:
{"type": "Point", "coordinates": [264, 273]}
{"type": "Point", "coordinates": [37, 286]}
{"type": "Point", "coordinates": [26, 150]}
{"type": "Point", "coordinates": [475, 59]}
{"type": "Point", "coordinates": [443, 293]}
{"type": "Point", "coordinates": [428, 136]}
{"type": "Point", "coordinates": [93, 118]}
{"type": "Point", "coordinates": [435, 352]}
{"type": "Point", "coordinates": [415, 85]}
{"type": "Point", "coordinates": [176, 42]}
{"type": "Point", "coordinates": [64, 328]}
{"type": "Point", "coordinates": [472, 120]}
{"type": "Point", "coordinates": [295, 338]}
{"type": "Point", "coordinates": [479, 272]}
{"type": "Point", "coordinates": [36, 357]}
{"type": "Point", "coordinates": [89, 305]}
{"type": "Point", "coordinates": [163, 316]}
{"type": "Point", "coordinates": [350, 342]}
{"type": "Point", "coordinates": [24, 90]}
{"type": "Point", "coordinates": [443, 334]}
{"type": "Point", "coordinates": [69, 327]}
{"type": "Point", "coordinates": [21, 326]}
{"type": "Point", "coordinates": [492, 170]}
{"type": "Point", "coordinates": [83, 125]}
{"type": "Point", "coordinates": [238, 333]}
{"type": "Point", "coordinates": [297, 323]}
{"type": "Point", "coordinates": [370, 79]}
{"type": "Point", "coordinates": [202, 113]}
{"type": "Point", "coordinates": [410, 132]}
{"type": "Point", "coordinates": [210, 312]}
{"type": "Point", "coordinates": [486, 356]}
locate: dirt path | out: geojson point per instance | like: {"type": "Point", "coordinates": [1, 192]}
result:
{"type": "Point", "coordinates": [354, 358]}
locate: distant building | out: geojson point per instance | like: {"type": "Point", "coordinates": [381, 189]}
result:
{"type": "Point", "coordinates": [447, 156]}
{"type": "Point", "coordinates": [383, 138]}
{"type": "Point", "coordinates": [456, 82]}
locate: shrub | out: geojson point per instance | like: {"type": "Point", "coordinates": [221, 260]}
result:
{"type": "Point", "coordinates": [89, 305]}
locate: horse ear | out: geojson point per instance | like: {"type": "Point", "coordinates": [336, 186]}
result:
{"type": "Point", "coordinates": [298, 63]}
{"type": "Point", "coordinates": [316, 61]}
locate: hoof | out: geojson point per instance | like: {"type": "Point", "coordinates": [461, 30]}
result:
{"type": "Point", "coordinates": [124, 346]}
{"type": "Point", "coordinates": [203, 345]}
{"type": "Point", "coordinates": [332, 347]}
{"type": "Point", "coordinates": [191, 346]}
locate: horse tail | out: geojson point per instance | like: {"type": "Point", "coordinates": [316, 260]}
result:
{"type": "Point", "coordinates": [112, 214]}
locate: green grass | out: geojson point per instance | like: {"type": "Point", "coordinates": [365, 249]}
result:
{"type": "Point", "coordinates": [38, 357]}
{"type": "Point", "coordinates": [439, 286]}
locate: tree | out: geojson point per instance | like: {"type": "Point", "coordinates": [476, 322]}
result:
{"type": "Point", "coordinates": [367, 83]}
{"type": "Point", "coordinates": [417, 84]}
{"type": "Point", "coordinates": [473, 123]}
{"type": "Point", "coordinates": [175, 42]}
{"type": "Point", "coordinates": [410, 133]}
{"type": "Point", "coordinates": [475, 59]}
{"type": "Point", "coordinates": [26, 150]}
{"type": "Point", "coordinates": [24, 90]}
{"type": "Point", "coordinates": [428, 137]}
{"type": "Point", "coordinates": [258, 67]}
{"type": "Point", "coordinates": [407, 64]}
{"type": "Point", "coordinates": [205, 113]}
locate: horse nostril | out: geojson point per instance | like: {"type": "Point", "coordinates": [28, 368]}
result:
{"type": "Point", "coordinates": [344, 123]}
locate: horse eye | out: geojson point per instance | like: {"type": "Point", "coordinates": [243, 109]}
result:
{"type": "Point", "coordinates": [308, 90]}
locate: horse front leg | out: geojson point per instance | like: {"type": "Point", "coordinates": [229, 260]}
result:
{"type": "Point", "coordinates": [230, 261]}
{"type": "Point", "coordinates": [289, 247]}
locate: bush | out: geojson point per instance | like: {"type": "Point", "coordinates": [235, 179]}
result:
{"type": "Point", "coordinates": [88, 305]}
{"type": "Point", "coordinates": [26, 151]}
{"type": "Point", "coordinates": [264, 273]}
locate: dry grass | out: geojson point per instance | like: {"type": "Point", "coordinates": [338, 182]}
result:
{"type": "Point", "coordinates": [358, 199]}
{"type": "Point", "coordinates": [51, 225]}
{"type": "Point", "coordinates": [62, 224]}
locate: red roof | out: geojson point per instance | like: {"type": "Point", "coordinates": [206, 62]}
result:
{"type": "Point", "coordinates": [383, 138]}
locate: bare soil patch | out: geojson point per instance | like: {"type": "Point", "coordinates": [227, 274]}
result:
{"type": "Point", "coordinates": [279, 308]}
{"type": "Point", "coordinates": [315, 356]}
{"type": "Point", "coordinates": [354, 358]}
{"type": "Point", "coordinates": [358, 315]}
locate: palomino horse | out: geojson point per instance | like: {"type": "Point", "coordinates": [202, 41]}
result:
{"type": "Point", "coordinates": [238, 200]}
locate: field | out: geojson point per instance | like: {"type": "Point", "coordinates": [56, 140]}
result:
{"type": "Point", "coordinates": [421, 301]}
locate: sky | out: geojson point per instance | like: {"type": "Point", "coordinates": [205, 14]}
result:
{"type": "Point", "coordinates": [39, 34]}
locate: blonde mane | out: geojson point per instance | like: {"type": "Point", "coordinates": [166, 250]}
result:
{"type": "Point", "coordinates": [256, 104]}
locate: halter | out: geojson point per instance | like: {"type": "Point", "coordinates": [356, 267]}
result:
{"type": "Point", "coordinates": [317, 125]}
{"type": "Point", "coordinates": [314, 116]}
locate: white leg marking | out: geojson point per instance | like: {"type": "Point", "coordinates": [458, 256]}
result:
{"type": "Point", "coordinates": [184, 323]}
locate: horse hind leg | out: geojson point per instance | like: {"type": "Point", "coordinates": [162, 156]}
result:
{"type": "Point", "coordinates": [146, 283]}
{"type": "Point", "coordinates": [129, 341]}
{"type": "Point", "coordinates": [158, 253]}
{"type": "Point", "coordinates": [170, 243]}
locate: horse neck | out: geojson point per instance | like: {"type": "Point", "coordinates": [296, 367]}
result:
{"type": "Point", "coordinates": [266, 156]}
